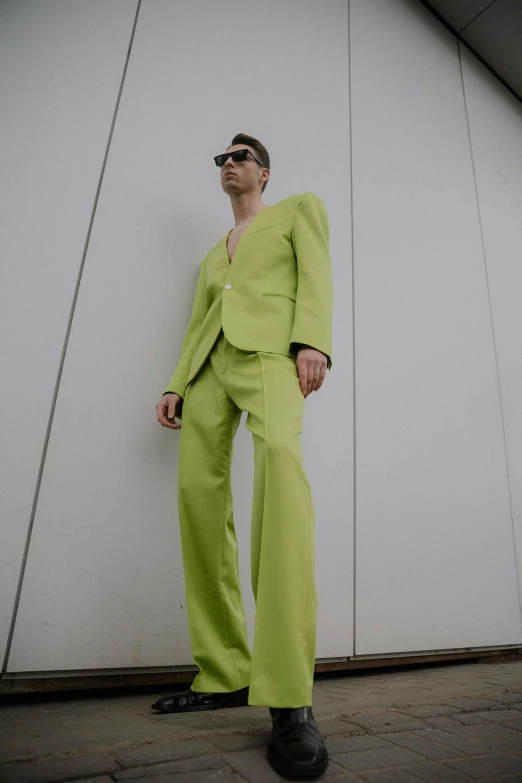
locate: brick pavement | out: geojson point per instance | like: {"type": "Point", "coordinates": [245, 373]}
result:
{"type": "Point", "coordinates": [451, 722]}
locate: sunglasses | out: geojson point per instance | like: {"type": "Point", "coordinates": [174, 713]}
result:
{"type": "Point", "coordinates": [236, 156]}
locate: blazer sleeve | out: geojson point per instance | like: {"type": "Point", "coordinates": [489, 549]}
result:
{"type": "Point", "coordinates": [314, 299]}
{"type": "Point", "coordinates": [178, 381]}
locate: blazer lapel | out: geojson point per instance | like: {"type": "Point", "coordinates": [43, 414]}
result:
{"type": "Point", "coordinates": [264, 219]}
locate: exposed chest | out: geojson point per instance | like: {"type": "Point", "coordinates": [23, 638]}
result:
{"type": "Point", "coordinates": [233, 239]}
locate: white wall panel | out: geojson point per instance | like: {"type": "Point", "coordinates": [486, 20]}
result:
{"type": "Point", "coordinates": [495, 122]}
{"type": "Point", "coordinates": [434, 546]}
{"type": "Point", "coordinates": [104, 584]}
{"type": "Point", "coordinates": [60, 73]}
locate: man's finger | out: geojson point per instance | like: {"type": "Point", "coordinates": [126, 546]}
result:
{"type": "Point", "coordinates": [317, 375]}
{"type": "Point", "coordinates": [303, 382]}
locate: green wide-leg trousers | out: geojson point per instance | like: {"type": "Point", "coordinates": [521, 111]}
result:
{"type": "Point", "coordinates": [280, 668]}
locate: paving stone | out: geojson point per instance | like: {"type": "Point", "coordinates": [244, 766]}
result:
{"type": "Point", "coordinates": [357, 704]}
{"type": "Point", "coordinates": [202, 721]}
{"type": "Point", "coordinates": [239, 740]}
{"type": "Point", "coordinates": [221, 775]}
{"type": "Point", "coordinates": [468, 719]}
{"type": "Point", "coordinates": [488, 729]}
{"type": "Point", "coordinates": [414, 725]}
{"type": "Point", "coordinates": [252, 764]}
{"type": "Point", "coordinates": [58, 768]}
{"type": "Point", "coordinates": [442, 721]}
{"type": "Point", "coordinates": [473, 704]}
{"type": "Point", "coordinates": [187, 734]}
{"type": "Point", "coordinates": [473, 747]}
{"type": "Point", "coordinates": [342, 776]}
{"type": "Point", "coordinates": [94, 704]}
{"type": "Point", "coordinates": [425, 744]}
{"type": "Point", "coordinates": [332, 727]}
{"type": "Point", "coordinates": [25, 747]}
{"type": "Point", "coordinates": [145, 731]}
{"type": "Point", "coordinates": [334, 774]}
{"type": "Point", "coordinates": [484, 767]}
{"type": "Point", "coordinates": [357, 761]}
{"type": "Point", "coordinates": [192, 764]}
{"type": "Point", "coordinates": [153, 752]}
{"type": "Point", "coordinates": [389, 776]}
{"type": "Point", "coordinates": [511, 743]}
{"type": "Point", "coordinates": [45, 722]}
{"type": "Point", "coordinates": [511, 718]}
{"type": "Point", "coordinates": [8, 734]}
{"type": "Point", "coordinates": [511, 696]}
{"type": "Point", "coordinates": [20, 709]}
{"type": "Point", "coordinates": [97, 779]}
{"type": "Point", "coordinates": [430, 710]}
{"type": "Point", "coordinates": [507, 697]}
{"type": "Point", "coordinates": [382, 719]}
{"type": "Point", "coordinates": [346, 744]}
{"type": "Point", "coordinates": [431, 772]}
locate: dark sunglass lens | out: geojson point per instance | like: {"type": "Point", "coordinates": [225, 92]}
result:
{"type": "Point", "coordinates": [236, 156]}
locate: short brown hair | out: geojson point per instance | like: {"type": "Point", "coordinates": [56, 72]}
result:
{"type": "Point", "coordinates": [262, 154]}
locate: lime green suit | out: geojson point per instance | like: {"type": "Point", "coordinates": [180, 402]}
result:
{"type": "Point", "coordinates": [248, 320]}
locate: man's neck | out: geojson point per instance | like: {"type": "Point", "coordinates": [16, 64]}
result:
{"type": "Point", "coordinates": [246, 206]}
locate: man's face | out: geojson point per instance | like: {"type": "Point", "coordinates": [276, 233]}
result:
{"type": "Point", "coordinates": [243, 176]}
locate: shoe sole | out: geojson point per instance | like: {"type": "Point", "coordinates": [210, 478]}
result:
{"type": "Point", "coordinates": [239, 699]}
{"type": "Point", "coordinates": [288, 768]}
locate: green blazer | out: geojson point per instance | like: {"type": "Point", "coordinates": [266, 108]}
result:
{"type": "Point", "coordinates": [275, 296]}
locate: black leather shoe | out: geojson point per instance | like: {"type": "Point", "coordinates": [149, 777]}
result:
{"type": "Point", "coordinates": [191, 701]}
{"type": "Point", "coordinates": [297, 749]}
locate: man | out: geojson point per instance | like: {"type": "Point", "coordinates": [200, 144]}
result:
{"type": "Point", "coordinates": [259, 340]}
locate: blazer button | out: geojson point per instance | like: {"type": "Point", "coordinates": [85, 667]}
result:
{"type": "Point", "coordinates": [228, 286]}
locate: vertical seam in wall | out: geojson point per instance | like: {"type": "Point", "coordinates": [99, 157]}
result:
{"type": "Point", "coordinates": [492, 330]}
{"type": "Point", "coordinates": [62, 360]}
{"type": "Point", "coordinates": [354, 559]}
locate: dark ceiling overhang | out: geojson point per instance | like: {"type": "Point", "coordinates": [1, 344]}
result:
{"type": "Point", "coordinates": [492, 30]}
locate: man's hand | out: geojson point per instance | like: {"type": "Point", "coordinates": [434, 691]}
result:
{"type": "Point", "coordinates": [166, 410]}
{"type": "Point", "coordinates": [311, 368]}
